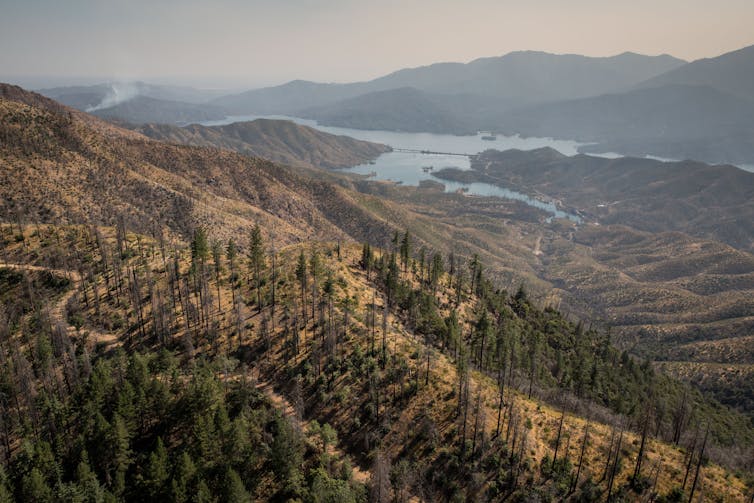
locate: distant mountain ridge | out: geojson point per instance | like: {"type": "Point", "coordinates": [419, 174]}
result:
{"type": "Point", "coordinates": [514, 78]}
{"type": "Point", "coordinates": [533, 76]}
{"type": "Point", "coordinates": [732, 73]}
{"type": "Point", "coordinates": [629, 103]}
{"type": "Point", "coordinates": [403, 109]}
{"type": "Point", "coordinates": [140, 102]}
{"type": "Point", "coordinates": [674, 121]}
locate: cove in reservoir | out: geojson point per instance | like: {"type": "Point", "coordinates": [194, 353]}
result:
{"type": "Point", "coordinates": [410, 168]}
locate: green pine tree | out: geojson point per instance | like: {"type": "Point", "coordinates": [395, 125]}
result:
{"type": "Point", "coordinates": [235, 492]}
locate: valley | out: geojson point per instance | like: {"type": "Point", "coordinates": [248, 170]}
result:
{"type": "Point", "coordinates": [376, 252]}
{"type": "Point", "coordinates": [642, 281]}
{"type": "Point", "coordinates": [419, 287]}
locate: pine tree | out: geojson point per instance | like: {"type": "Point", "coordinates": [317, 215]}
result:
{"type": "Point", "coordinates": [156, 472]}
{"type": "Point", "coordinates": [217, 251]}
{"type": "Point", "coordinates": [120, 453]}
{"type": "Point", "coordinates": [199, 254]}
{"type": "Point", "coordinates": [34, 487]}
{"type": "Point", "coordinates": [200, 245]}
{"type": "Point", "coordinates": [367, 259]}
{"type": "Point", "coordinates": [405, 250]}
{"type": "Point", "coordinates": [256, 260]}
{"type": "Point", "coordinates": [180, 485]}
{"type": "Point", "coordinates": [437, 270]}
{"type": "Point", "coordinates": [235, 492]}
{"type": "Point", "coordinates": [6, 496]}
{"type": "Point", "coordinates": [203, 494]}
{"type": "Point", "coordinates": [87, 481]}
{"type": "Point", "coordinates": [302, 279]}
{"type": "Point", "coordinates": [287, 455]}
{"type": "Point", "coordinates": [231, 252]}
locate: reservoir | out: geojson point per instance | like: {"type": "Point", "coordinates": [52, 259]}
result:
{"type": "Point", "coordinates": [410, 168]}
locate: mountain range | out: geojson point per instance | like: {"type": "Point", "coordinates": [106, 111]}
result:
{"type": "Point", "coordinates": [121, 238]}
{"type": "Point", "coordinates": [643, 218]}
{"type": "Point", "coordinates": [630, 103]}
{"type": "Point", "coordinates": [514, 79]}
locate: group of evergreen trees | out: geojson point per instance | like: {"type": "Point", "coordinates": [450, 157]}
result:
{"type": "Point", "coordinates": [537, 351]}
{"type": "Point", "coordinates": [158, 426]}
{"type": "Point", "coordinates": [141, 428]}
{"type": "Point", "coordinates": [185, 422]}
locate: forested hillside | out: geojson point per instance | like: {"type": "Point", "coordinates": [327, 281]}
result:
{"type": "Point", "coordinates": [144, 369]}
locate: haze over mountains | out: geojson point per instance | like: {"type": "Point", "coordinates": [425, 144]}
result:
{"type": "Point", "coordinates": [515, 79]}
{"type": "Point", "coordinates": [732, 73]}
{"type": "Point", "coordinates": [629, 103]}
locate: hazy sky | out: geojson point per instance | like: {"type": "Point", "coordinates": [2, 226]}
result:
{"type": "Point", "coordinates": [238, 43]}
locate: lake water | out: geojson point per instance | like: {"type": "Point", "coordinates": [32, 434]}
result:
{"type": "Point", "coordinates": [407, 167]}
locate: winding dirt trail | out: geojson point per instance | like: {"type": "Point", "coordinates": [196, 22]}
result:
{"type": "Point", "coordinates": [58, 315]}
{"type": "Point", "coordinates": [57, 312]}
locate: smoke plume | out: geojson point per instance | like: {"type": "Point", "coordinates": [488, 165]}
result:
{"type": "Point", "coordinates": [119, 92]}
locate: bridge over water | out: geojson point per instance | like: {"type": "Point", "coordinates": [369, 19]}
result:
{"type": "Point", "coordinates": [429, 152]}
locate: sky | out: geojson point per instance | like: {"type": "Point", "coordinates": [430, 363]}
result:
{"type": "Point", "coordinates": [252, 43]}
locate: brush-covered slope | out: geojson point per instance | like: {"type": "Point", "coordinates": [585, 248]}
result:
{"type": "Point", "coordinates": [65, 166]}
{"type": "Point", "coordinates": [97, 415]}
{"type": "Point", "coordinates": [280, 141]}
{"type": "Point", "coordinates": [664, 257]}
{"type": "Point", "coordinates": [714, 202]}
{"type": "Point", "coordinates": [440, 386]}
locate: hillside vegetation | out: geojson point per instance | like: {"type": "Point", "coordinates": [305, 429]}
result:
{"type": "Point", "coordinates": [279, 141]}
{"type": "Point", "coordinates": [714, 202]}
{"type": "Point", "coordinates": [65, 166]}
{"type": "Point", "coordinates": [655, 259]}
{"type": "Point", "coordinates": [438, 385]}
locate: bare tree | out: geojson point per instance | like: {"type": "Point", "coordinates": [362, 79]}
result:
{"type": "Point", "coordinates": [380, 480]}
